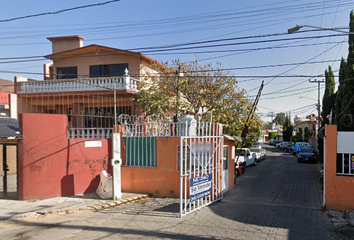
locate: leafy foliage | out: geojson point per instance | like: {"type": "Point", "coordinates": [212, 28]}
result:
{"type": "Point", "coordinates": [328, 96]}
{"type": "Point", "coordinates": [287, 128]}
{"type": "Point", "coordinates": [272, 135]}
{"type": "Point", "coordinates": [345, 97]}
{"type": "Point", "coordinates": [203, 90]}
{"type": "Point", "coordinates": [279, 118]}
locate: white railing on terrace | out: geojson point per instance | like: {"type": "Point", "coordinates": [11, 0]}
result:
{"type": "Point", "coordinates": [90, 133]}
{"type": "Point", "coordinates": [151, 130]}
{"type": "Point", "coordinates": [171, 129]}
{"type": "Point", "coordinates": [79, 85]}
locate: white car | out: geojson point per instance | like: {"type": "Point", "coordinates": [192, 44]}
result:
{"type": "Point", "coordinates": [259, 153]}
{"type": "Point", "coordinates": [245, 157]}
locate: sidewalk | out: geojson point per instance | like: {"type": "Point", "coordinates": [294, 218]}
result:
{"type": "Point", "coordinates": [14, 209]}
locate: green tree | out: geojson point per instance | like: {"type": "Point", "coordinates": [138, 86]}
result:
{"type": "Point", "coordinates": [345, 102]}
{"type": "Point", "coordinates": [279, 118]}
{"type": "Point", "coordinates": [272, 135]}
{"type": "Point", "coordinates": [306, 134]}
{"type": "Point", "coordinates": [328, 96]}
{"type": "Point", "coordinates": [340, 94]}
{"type": "Point", "coordinates": [299, 135]}
{"type": "Point", "coordinates": [297, 119]}
{"type": "Point", "coordinates": [203, 88]}
{"type": "Point", "coordinates": [287, 128]}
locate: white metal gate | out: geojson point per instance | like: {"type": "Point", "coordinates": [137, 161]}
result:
{"type": "Point", "coordinates": [201, 169]}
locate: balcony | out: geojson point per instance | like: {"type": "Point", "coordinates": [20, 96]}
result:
{"type": "Point", "coordinates": [123, 83]}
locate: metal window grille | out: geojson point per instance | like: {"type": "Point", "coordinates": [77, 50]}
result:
{"type": "Point", "coordinates": [140, 151]}
{"type": "Point", "coordinates": [345, 164]}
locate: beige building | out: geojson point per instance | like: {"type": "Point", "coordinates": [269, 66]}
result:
{"type": "Point", "coordinates": [90, 84]}
{"type": "Point", "coordinates": [309, 123]}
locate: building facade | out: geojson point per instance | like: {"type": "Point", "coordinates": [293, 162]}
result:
{"type": "Point", "coordinates": [92, 85]}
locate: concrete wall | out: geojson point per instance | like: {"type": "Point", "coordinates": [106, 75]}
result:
{"type": "Point", "coordinates": [338, 190]}
{"type": "Point", "coordinates": [50, 165]}
{"type": "Point", "coordinates": [162, 181]}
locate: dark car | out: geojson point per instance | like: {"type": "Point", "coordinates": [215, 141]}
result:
{"type": "Point", "coordinates": [289, 148]}
{"type": "Point", "coordinates": [306, 154]}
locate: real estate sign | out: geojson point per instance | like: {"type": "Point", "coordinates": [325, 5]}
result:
{"type": "Point", "coordinates": [200, 187]}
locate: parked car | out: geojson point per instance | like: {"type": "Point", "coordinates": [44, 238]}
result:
{"type": "Point", "coordinates": [271, 141]}
{"type": "Point", "coordinates": [259, 153]}
{"type": "Point", "coordinates": [306, 154]}
{"type": "Point", "coordinates": [289, 148]}
{"type": "Point", "coordinates": [283, 145]}
{"type": "Point", "coordinates": [244, 158]}
{"type": "Point", "coordinates": [298, 147]}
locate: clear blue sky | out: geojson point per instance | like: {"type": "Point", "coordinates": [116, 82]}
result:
{"type": "Point", "coordinates": [129, 24]}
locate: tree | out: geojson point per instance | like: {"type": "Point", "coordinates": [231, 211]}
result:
{"type": "Point", "coordinates": [328, 96]}
{"type": "Point", "coordinates": [340, 93]}
{"type": "Point", "coordinates": [202, 89]}
{"type": "Point", "coordinates": [279, 118]}
{"type": "Point", "coordinates": [272, 135]}
{"type": "Point", "coordinates": [297, 119]}
{"type": "Point", "coordinates": [306, 133]}
{"type": "Point", "coordinates": [287, 128]}
{"type": "Point", "coordinates": [345, 102]}
{"type": "Point", "coordinates": [299, 135]}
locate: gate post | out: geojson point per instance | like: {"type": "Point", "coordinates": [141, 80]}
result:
{"type": "Point", "coordinates": [116, 166]}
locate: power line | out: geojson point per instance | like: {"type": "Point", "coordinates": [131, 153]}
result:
{"type": "Point", "coordinates": [57, 12]}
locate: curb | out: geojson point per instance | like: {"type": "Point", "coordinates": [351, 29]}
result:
{"type": "Point", "coordinates": [95, 207]}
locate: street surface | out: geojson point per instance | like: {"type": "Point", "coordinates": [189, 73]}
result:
{"type": "Point", "coordinates": [277, 199]}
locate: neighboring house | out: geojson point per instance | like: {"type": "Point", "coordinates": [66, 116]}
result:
{"type": "Point", "coordinates": [92, 85]}
{"type": "Point", "coordinates": [310, 122]}
{"type": "Point", "coordinates": [264, 136]}
{"type": "Point", "coordinates": [6, 98]}
{"type": "Point", "coordinates": [279, 130]}
{"type": "Point", "coordinates": [9, 135]}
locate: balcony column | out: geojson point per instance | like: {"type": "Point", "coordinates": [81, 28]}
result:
{"type": "Point", "coordinates": [126, 80]}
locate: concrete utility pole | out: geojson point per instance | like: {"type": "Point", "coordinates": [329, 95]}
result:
{"type": "Point", "coordinates": [318, 102]}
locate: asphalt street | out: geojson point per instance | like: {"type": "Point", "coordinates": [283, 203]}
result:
{"type": "Point", "coordinates": [277, 199]}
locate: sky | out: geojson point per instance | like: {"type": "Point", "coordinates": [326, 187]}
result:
{"type": "Point", "coordinates": [248, 38]}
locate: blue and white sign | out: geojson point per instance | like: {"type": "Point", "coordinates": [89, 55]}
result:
{"type": "Point", "coordinates": [200, 187]}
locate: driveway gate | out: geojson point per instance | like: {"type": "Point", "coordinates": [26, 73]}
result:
{"type": "Point", "coordinates": [200, 165]}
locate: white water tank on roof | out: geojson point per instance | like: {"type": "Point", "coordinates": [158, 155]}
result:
{"type": "Point", "coordinates": [188, 125]}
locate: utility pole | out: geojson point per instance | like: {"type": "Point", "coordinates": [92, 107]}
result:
{"type": "Point", "coordinates": [318, 102]}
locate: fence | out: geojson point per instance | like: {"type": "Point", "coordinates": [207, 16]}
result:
{"type": "Point", "coordinates": [140, 139]}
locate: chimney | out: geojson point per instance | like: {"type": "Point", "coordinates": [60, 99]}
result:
{"type": "Point", "coordinates": [62, 44]}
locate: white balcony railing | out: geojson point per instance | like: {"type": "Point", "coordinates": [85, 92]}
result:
{"type": "Point", "coordinates": [79, 85]}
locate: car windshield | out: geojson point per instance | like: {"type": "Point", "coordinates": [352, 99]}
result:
{"type": "Point", "coordinates": [306, 150]}
{"type": "Point", "coordinates": [255, 150]}
{"type": "Point", "coordinates": [300, 144]}
{"type": "Point", "coordinates": [240, 152]}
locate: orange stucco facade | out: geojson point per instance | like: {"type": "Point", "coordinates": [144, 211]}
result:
{"type": "Point", "coordinates": [51, 165]}
{"type": "Point", "coordinates": [162, 181]}
{"type": "Point", "coordinates": [338, 190]}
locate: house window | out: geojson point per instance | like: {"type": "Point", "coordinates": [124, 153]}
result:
{"type": "Point", "coordinates": [108, 70]}
{"type": "Point", "coordinates": [66, 72]}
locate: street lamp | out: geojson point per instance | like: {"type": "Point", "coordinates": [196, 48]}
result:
{"type": "Point", "coordinates": [297, 28]}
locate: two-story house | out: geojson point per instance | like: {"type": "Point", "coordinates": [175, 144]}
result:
{"type": "Point", "coordinates": [308, 128]}
{"type": "Point", "coordinates": [92, 85]}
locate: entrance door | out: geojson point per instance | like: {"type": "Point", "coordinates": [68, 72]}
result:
{"type": "Point", "coordinates": [225, 172]}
